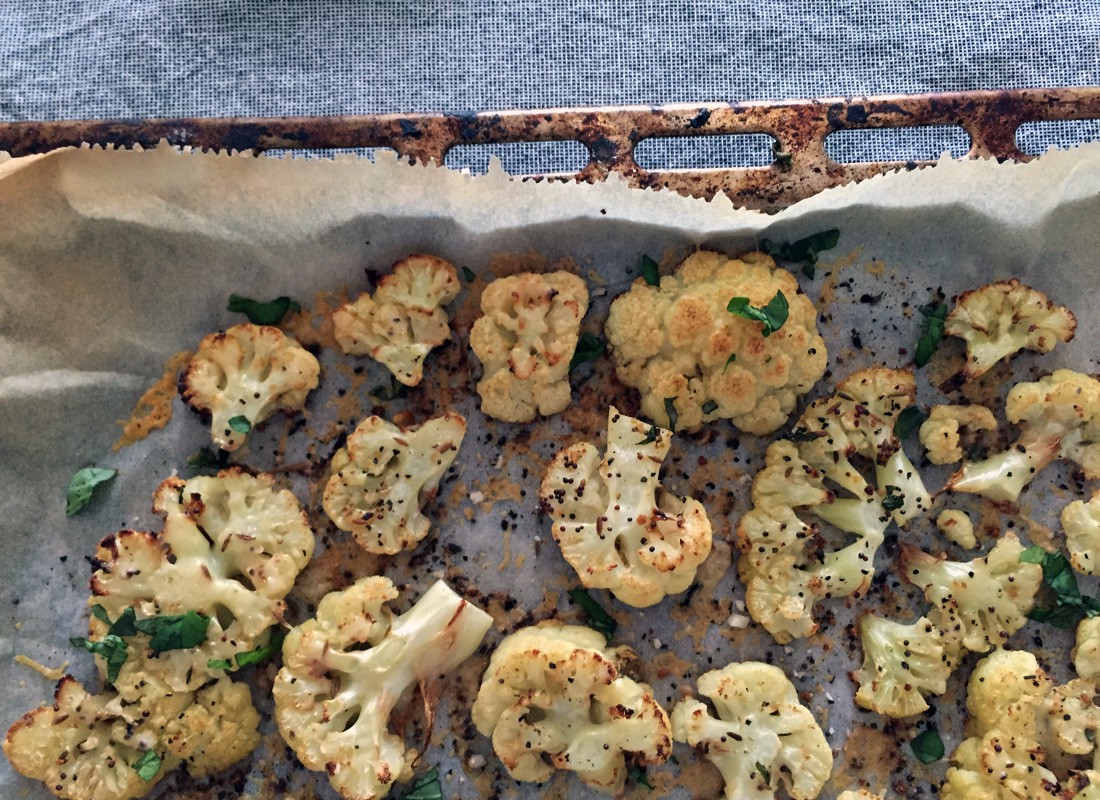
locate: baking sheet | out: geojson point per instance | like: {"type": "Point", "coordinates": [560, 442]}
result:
{"type": "Point", "coordinates": [112, 261]}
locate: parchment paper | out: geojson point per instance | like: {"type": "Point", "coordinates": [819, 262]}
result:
{"type": "Point", "coordinates": [110, 262]}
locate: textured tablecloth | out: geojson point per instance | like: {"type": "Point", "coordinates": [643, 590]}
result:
{"type": "Point", "coordinates": [121, 58]}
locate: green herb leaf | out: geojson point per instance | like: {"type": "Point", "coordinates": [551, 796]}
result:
{"type": "Point", "coordinates": [730, 360]}
{"type": "Point", "coordinates": [597, 618]}
{"type": "Point", "coordinates": [894, 498]}
{"type": "Point", "coordinates": [802, 250]}
{"type": "Point", "coordinates": [263, 652]}
{"type": "Point", "coordinates": [648, 268]}
{"type": "Point", "coordinates": [395, 390]}
{"type": "Point", "coordinates": [802, 435]}
{"type": "Point", "coordinates": [909, 420]}
{"type": "Point", "coordinates": [773, 315]}
{"type": "Point", "coordinates": [651, 435]}
{"type": "Point", "coordinates": [426, 787]}
{"type": "Point", "coordinates": [259, 313]}
{"type": "Point", "coordinates": [469, 275]}
{"type": "Point", "coordinates": [764, 773]}
{"type": "Point", "coordinates": [218, 663]}
{"type": "Point", "coordinates": [1069, 605]}
{"type": "Point", "coordinates": [174, 631]}
{"type": "Point", "coordinates": [240, 423]}
{"type": "Point", "coordinates": [125, 625]}
{"type": "Point", "coordinates": [147, 766]}
{"type": "Point", "coordinates": [637, 774]}
{"type": "Point", "coordinates": [208, 460]}
{"type": "Point", "coordinates": [111, 647]}
{"type": "Point", "coordinates": [710, 406]}
{"type": "Point", "coordinates": [670, 409]}
{"type": "Point", "coordinates": [589, 348]}
{"type": "Point", "coordinates": [83, 485]}
{"type": "Point", "coordinates": [935, 314]}
{"type": "Point", "coordinates": [927, 746]}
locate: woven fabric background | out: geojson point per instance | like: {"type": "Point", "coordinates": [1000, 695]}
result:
{"type": "Point", "coordinates": [121, 58]}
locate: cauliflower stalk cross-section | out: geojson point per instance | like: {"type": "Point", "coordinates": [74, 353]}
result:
{"type": "Point", "coordinates": [525, 339]}
{"type": "Point", "coordinates": [404, 319]}
{"type": "Point", "coordinates": [345, 671]}
{"type": "Point", "coordinates": [553, 697]}
{"type": "Point", "coordinates": [677, 344]}
{"type": "Point", "coordinates": [763, 736]}
{"type": "Point", "coordinates": [1059, 417]}
{"type": "Point", "coordinates": [383, 477]}
{"type": "Point", "coordinates": [616, 526]}
{"type": "Point", "coordinates": [243, 376]}
{"type": "Point", "coordinates": [1003, 318]}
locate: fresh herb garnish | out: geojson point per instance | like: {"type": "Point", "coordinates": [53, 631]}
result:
{"type": "Point", "coordinates": [648, 267]}
{"type": "Point", "coordinates": [240, 423]}
{"type": "Point", "coordinates": [908, 421]}
{"type": "Point", "coordinates": [935, 314]}
{"type": "Point", "coordinates": [208, 460]}
{"type": "Point", "coordinates": [802, 250]}
{"type": "Point", "coordinates": [764, 773]}
{"type": "Point", "coordinates": [111, 647]}
{"type": "Point", "coordinates": [651, 435]}
{"type": "Point", "coordinates": [773, 315]}
{"type": "Point", "coordinates": [83, 485]}
{"type": "Point", "coordinates": [253, 656]}
{"type": "Point", "coordinates": [597, 618]}
{"type": "Point", "coordinates": [123, 626]}
{"type": "Point", "coordinates": [670, 409]}
{"type": "Point", "coordinates": [147, 766]}
{"type": "Point", "coordinates": [1069, 606]}
{"type": "Point", "coordinates": [637, 774]}
{"type": "Point", "coordinates": [894, 498]}
{"type": "Point", "coordinates": [469, 275]}
{"type": "Point", "coordinates": [803, 435]}
{"type": "Point", "coordinates": [927, 746]}
{"type": "Point", "coordinates": [589, 348]}
{"type": "Point", "coordinates": [730, 360]}
{"type": "Point", "coordinates": [710, 406]}
{"type": "Point", "coordinates": [174, 631]}
{"type": "Point", "coordinates": [426, 787]}
{"type": "Point", "coordinates": [260, 313]}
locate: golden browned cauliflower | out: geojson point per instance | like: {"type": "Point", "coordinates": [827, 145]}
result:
{"type": "Point", "coordinates": [940, 432]}
{"type": "Point", "coordinates": [957, 527]}
{"type": "Point", "coordinates": [1081, 522]}
{"type": "Point", "coordinates": [243, 376]}
{"type": "Point", "coordinates": [525, 339]}
{"type": "Point", "coordinates": [404, 319]}
{"type": "Point", "coordinates": [1003, 318]}
{"type": "Point", "coordinates": [691, 358]}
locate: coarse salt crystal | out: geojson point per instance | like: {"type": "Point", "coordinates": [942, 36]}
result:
{"type": "Point", "coordinates": [477, 497]}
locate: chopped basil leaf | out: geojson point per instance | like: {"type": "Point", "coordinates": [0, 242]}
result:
{"type": "Point", "coordinates": [802, 250]}
{"type": "Point", "coordinates": [597, 618]}
{"type": "Point", "coordinates": [670, 409]}
{"type": "Point", "coordinates": [589, 348]}
{"type": "Point", "coordinates": [260, 313]}
{"type": "Point", "coordinates": [426, 787]}
{"type": "Point", "coordinates": [208, 460]}
{"type": "Point", "coordinates": [263, 652]}
{"type": "Point", "coordinates": [908, 421]}
{"type": "Point", "coordinates": [927, 746]}
{"type": "Point", "coordinates": [800, 435]}
{"type": "Point", "coordinates": [637, 774]}
{"type": "Point", "coordinates": [147, 766]}
{"type": "Point", "coordinates": [240, 423]}
{"type": "Point", "coordinates": [894, 499]}
{"type": "Point", "coordinates": [218, 663]}
{"type": "Point", "coordinates": [123, 626]}
{"type": "Point", "coordinates": [83, 485]}
{"type": "Point", "coordinates": [764, 773]}
{"type": "Point", "coordinates": [469, 275]}
{"type": "Point", "coordinates": [111, 647]}
{"type": "Point", "coordinates": [935, 314]}
{"type": "Point", "coordinates": [773, 315]}
{"type": "Point", "coordinates": [651, 435]}
{"type": "Point", "coordinates": [730, 360]}
{"type": "Point", "coordinates": [1069, 606]}
{"type": "Point", "coordinates": [175, 631]}
{"type": "Point", "coordinates": [648, 267]}
{"type": "Point", "coordinates": [709, 407]}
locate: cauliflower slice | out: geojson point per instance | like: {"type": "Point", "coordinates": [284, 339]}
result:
{"type": "Point", "coordinates": [385, 474]}
{"type": "Point", "coordinates": [983, 601]}
{"type": "Point", "coordinates": [525, 339]}
{"type": "Point", "coordinates": [1086, 651]}
{"type": "Point", "coordinates": [345, 671]}
{"type": "Point", "coordinates": [243, 376]}
{"type": "Point", "coordinates": [1059, 417]}
{"type": "Point", "coordinates": [616, 525]}
{"type": "Point", "coordinates": [901, 664]}
{"type": "Point", "coordinates": [404, 319]}
{"type": "Point", "coordinates": [678, 345]}
{"type": "Point", "coordinates": [1073, 716]}
{"type": "Point", "coordinates": [783, 580]}
{"type": "Point", "coordinates": [553, 697]}
{"type": "Point", "coordinates": [1081, 522]}
{"type": "Point", "coordinates": [940, 432]}
{"type": "Point", "coordinates": [1000, 319]}
{"type": "Point", "coordinates": [763, 736]}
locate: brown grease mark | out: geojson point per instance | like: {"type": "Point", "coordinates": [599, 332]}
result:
{"type": "Point", "coordinates": [875, 267]}
{"type": "Point", "coordinates": [340, 565]}
{"type": "Point", "coordinates": [705, 609]}
{"type": "Point", "coordinates": [507, 548]}
{"type": "Point", "coordinates": [700, 777]}
{"type": "Point", "coordinates": [668, 664]}
{"type": "Point", "coordinates": [868, 759]}
{"type": "Point", "coordinates": [1037, 532]}
{"type": "Point", "coordinates": [154, 408]}
{"type": "Point", "coordinates": [312, 327]}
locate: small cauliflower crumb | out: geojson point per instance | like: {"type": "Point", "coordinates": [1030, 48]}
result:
{"type": "Point", "coordinates": [957, 527]}
{"type": "Point", "coordinates": [738, 621]}
{"type": "Point", "coordinates": [940, 432]}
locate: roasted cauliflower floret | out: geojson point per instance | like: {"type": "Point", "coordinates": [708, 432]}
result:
{"type": "Point", "coordinates": [553, 697]}
{"type": "Point", "coordinates": [383, 477]}
{"type": "Point", "coordinates": [940, 432]}
{"type": "Point", "coordinates": [404, 319]}
{"type": "Point", "coordinates": [525, 339]}
{"type": "Point", "coordinates": [1059, 417]}
{"type": "Point", "coordinates": [957, 527]}
{"type": "Point", "coordinates": [985, 600]}
{"type": "Point", "coordinates": [763, 736]}
{"type": "Point", "coordinates": [1086, 651]}
{"type": "Point", "coordinates": [678, 345]}
{"type": "Point", "coordinates": [243, 376]}
{"type": "Point", "coordinates": [782, 577]}
{"type": "Point", "coordinates": [1003, 318]}
{"type": "Point", "coordinates": [901, 664]}
{"type": "Point", "coordinates": [1081, 522]}
{"type": "Point", "coordinates": [345, 671]}
{"type": "Point", "coordinates": [616, 525]}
